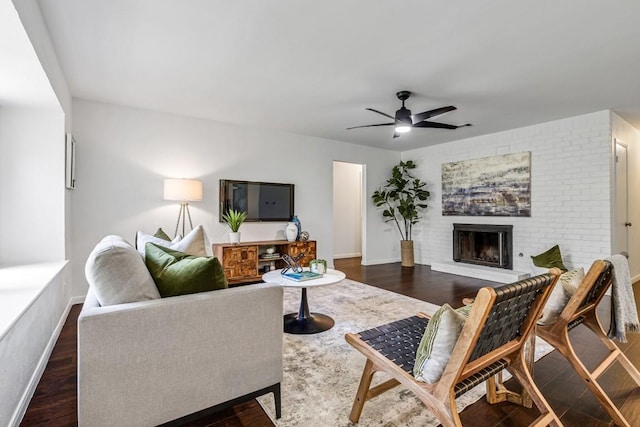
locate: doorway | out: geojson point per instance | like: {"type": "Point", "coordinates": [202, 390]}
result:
{"type": "Point", "coordinates": [347, 210]}
{"type": "Point", "coordinates": [621, 214]}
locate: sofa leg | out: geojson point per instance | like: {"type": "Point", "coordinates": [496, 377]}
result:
{"type": "Point", "coordinates": [277, 400]}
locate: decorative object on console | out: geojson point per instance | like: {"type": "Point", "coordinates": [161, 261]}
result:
{"type": "Point", "coordinates": [234, 220]}
{"type": "Point", "coordinates": [304, 236]}
{"type": "Point", "coordinates": [318, 266]}
{"type": "Point", "coordinates": [291, 232]}
{"type": "Point", "coordinates": [490, 186]}
{"type": "Point", "coordinates": [183, 191]}
{"type": "Point", "coordinates": [401, 198]}
{"type": "Point", "coordinates": [296, 221]}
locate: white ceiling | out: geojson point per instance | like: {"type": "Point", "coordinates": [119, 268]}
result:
{"type": "Point", "coordinates": [311, 67]}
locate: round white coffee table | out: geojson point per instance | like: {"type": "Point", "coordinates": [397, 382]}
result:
{"type": "Point", "coordinates": [305, 322]}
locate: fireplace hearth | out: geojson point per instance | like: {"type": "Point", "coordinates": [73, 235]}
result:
{"type": "Point", "coordinates": [483, 244]}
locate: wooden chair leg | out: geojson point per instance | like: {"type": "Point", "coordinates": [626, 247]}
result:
{"type": "Point", "coordinates": [593, 323]}
{"type": "Point", "coordinates": [591, 378]}
{"type": "Point", "coordinates": [496, 390]}
{"type": "Point", "coordinates": [446, 412]}
{"type": "Point", "coordinates": [520, 370]}
{"type": "Point", "coordinates": [361, 394]}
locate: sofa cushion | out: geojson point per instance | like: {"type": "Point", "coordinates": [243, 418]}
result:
{"type": "Point", "coordinates": [116, 273]}
{"type": "Point", "coordinates": [177, 273]}
{"type": "Point", "coordinates": [563, 290]}
{"type": "Point", "coordinates": [439, 339]}
{"type": "Point", "coordinates": [549, 259]}
{"type": "Point", "coordinates": [160, 234]}
{"type": "Point", "coordinates": [191, 244]}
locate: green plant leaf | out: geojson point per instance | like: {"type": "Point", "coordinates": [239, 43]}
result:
{"type": "Point", "coordinates": [401, 197]}
{"type": "Point", "coordinates": [234, 219]}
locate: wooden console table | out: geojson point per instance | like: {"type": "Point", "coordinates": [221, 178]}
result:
{"type": "Point", "coordinates": [246, 262]}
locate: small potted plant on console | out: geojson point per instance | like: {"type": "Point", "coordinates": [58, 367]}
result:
{"type": "Point", "coordinates": [234, 220]}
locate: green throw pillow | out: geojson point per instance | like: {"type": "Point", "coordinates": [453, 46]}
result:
{"type": "Point", "coordinates": [176, 273]}
{"type": "Point", "coordinates": [160, 234]}
{"type": "Point", "coordinates": [549, 259]}
{"type": "Point", "coordinates": [439, 339]}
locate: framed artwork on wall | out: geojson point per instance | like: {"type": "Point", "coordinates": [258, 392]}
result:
{"type": "Point", "coordinates": [70, 162]}
{"type": "Point", "coordinates": [490, 186]}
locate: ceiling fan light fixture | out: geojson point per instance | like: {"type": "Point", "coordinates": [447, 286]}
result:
{"type": "Point", "coordinates": [403, 128]}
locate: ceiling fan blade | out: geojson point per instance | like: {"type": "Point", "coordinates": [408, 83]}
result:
{"type": "Point", "coordinates": [426, 124]}
{"type": "Point", "coordinates": [431, 113]}
{"type": "Point", "coordinates": [380, 112]}
{"type": "Point", "coordinates": [368, 126]}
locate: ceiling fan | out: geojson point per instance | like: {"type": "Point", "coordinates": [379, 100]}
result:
{"type": "Point", "coordinates": [404, 121]}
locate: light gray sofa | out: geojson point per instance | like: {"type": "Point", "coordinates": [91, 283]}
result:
{"type": "Point", "coordinates": [149, 362]}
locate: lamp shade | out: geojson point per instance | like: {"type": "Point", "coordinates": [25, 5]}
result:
{"type": "Point", "coordinates": [183, 190]}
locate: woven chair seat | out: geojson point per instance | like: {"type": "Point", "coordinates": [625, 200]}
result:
{"type": "Point", "coordinates": [398, 341]}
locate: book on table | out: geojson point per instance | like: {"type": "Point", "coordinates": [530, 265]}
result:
{"type": "Point", "coordinates": [300, 277]}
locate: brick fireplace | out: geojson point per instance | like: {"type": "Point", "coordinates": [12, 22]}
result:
{"type": "Point", "coordinates": [483, 244]}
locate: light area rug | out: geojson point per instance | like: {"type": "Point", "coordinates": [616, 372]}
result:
{"type": "Point", "coordinates": [322, 371]}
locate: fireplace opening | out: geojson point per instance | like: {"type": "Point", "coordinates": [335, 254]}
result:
{"type": "Point", "coordinates": [483, 244]}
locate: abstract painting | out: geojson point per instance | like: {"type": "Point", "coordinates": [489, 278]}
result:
{"type": "Point", "coordinates": [491, 186]}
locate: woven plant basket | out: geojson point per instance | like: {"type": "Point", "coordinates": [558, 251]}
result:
{"type": "Point", "coordinates": [406, 253]}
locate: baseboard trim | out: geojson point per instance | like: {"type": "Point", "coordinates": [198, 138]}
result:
{"type": "Point", "coordinates": [353, 255]}
{"type": "Point", "coordinates": [380, 261]}
{"type": "Point", "coordinates": [42, 364]}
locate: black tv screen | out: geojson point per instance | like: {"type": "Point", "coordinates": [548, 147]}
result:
{"type": "Point", "coordinates": [263, 201]}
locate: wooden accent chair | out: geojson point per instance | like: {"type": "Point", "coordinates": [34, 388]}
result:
{"type": "Point", "coordinates": [582, 309]}
{"type": "Point", "coordinates": [492, 339]}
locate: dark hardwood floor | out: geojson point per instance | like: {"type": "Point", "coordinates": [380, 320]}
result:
{"type": "Point", "coordinates": [54, 402]}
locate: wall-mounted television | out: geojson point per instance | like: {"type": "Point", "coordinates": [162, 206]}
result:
{"type": "Point", "coordinates": [263, 201]}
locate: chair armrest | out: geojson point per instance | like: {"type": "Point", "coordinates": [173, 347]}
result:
{"type": "Point", "coordinates": [153, 361]}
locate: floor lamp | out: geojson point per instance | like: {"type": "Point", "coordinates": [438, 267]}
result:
{"type": "Point", "coordinates": [183, 191]}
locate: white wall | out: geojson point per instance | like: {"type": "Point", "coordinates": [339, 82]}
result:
{"type": "Point", "coordinates": [123, 155]}
{"type": "Point", "coordinates": [627, 134]}
{"type": "Point", "coordinates": [570, 184]}
{"type": "Point", "coordinates": [347, 210]}
{"type": "Point", "coordinates": [32, 225]}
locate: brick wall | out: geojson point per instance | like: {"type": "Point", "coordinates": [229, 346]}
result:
{"type": "Point", "coordinates": [570, 190]}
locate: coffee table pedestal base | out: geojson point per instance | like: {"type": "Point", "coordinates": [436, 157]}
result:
{"type": "Point", "coordinates": [312, 324]}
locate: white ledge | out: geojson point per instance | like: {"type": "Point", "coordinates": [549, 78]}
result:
{"type": "Point", "coordinates": [493, 274]}
{"type": "Point", "coordinates": [20, 286]}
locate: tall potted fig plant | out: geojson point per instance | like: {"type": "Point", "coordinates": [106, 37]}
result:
{"type": "Point", "coordinates": [401, 198]}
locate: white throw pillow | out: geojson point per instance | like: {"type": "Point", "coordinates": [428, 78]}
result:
{"type": "Point", "coordinates": [439, 339]}
{"type": "Point", "coordinates": [116, 273]}
{"type": "Point", "coordinates": [191, 244]}
{"type": "Point", "coordinates": [563, 290]}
